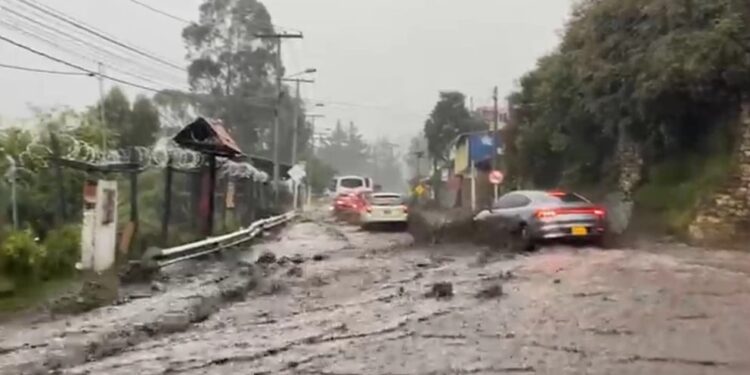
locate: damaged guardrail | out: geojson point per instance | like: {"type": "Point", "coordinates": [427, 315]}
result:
{"type": "Point", "coordinates": [156, 258]}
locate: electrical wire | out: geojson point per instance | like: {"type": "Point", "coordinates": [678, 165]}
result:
{"type": "Point", "coordinates": [46, 71]}
{"type": "Point", "coordinates": [159, 11]}
{"type": "Point", "coordinates": [101, 54]}
{"type": "Point", "coordinates": [188, 22]}
{"type": "Point", "coordinates": [74, 53]}
{"type": "Point", "coordinates": [45, 22]}
{"type": "Point", "coordinates": [76, 66]}
{"type": "Point", "coordinates": [99, 34]}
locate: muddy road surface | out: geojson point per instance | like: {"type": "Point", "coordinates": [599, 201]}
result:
{"type": "Point", "coordinates": [333, 300]}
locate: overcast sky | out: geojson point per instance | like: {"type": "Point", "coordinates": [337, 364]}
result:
{"type": "Point", "coordinates": [381, 62]}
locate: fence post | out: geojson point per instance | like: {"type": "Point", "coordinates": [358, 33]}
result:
{"type": "Point", "coordinates": [167, 213]}
{"type": "Point", "coordinates": [133, 189]}
{"type": "Point", "coordinates": [211, 194]}
{"type": "Point", "coordinates": [61, 214]}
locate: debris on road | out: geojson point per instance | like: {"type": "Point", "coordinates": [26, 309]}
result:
{"type": "Point", "coordinates": [267, 258]}
{"type": "Point", "coordinates": [441, 290]}
{"type": "Point", "coordinates": [295, 272]}
{"type": "Point", "coordinates": [490, 292]}
{"type": "Point", "coordinates": [320, 257]}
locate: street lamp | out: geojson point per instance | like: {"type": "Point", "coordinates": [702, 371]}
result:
{"type": "Point", "coordinates": [306, 71]}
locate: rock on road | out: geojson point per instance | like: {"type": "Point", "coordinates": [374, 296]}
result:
{"type": "Point", "coordinates": [348, 302]}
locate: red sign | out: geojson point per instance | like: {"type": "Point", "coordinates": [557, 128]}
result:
{"type": "Point", "coordinates": [496, 177]}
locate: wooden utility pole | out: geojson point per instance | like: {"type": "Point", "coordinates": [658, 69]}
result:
{"type": "Point", "coordinates": [295, 130]}
{"type": "Point", "coordinates": [279, 76]}
{"type": "Point", "coordinates": [495, 126]}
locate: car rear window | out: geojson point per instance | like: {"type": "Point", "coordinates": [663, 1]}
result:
{"type": "Point", "coordinates": [352, 183]}
{"type": "Point", "coordinates": [387, 200]}
{"type": "Point", "coordinates": [566, 198]}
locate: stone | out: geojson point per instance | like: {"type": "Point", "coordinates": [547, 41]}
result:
{"type": "Point", "coordinates": [320, 257]}
{"type": "Point", "coordinates": [267, 258]}
{"type": "Point", "coordinates": [441, 290]}
{"type": "Point", "coordinates": [491, 291]}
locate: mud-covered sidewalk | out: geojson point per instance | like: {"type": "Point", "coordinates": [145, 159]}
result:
{"type": "Point", "coordinates": [338, 301]}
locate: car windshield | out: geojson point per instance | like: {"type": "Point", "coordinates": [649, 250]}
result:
{"type": "Point", "coordinates": [351, 183]}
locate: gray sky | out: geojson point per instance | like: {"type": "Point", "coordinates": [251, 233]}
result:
{"type": "Point", "coordinates": [381, 62]}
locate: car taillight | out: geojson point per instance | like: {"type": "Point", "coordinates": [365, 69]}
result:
{"type": "Point", "coordinates": [550, 213]}
{"type": "Point", "coordinates": [546, 214]}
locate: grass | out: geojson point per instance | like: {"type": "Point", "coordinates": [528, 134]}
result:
{"type": "Point", "coordinates": [32, 295]}
{"type": "Point", "coordinates": [675, 189]}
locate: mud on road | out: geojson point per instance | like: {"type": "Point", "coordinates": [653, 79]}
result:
{"type": "Point", "coordinates": [335, 300]}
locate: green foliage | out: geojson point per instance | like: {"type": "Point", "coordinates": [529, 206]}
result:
{"type": "Point", "coordinates": [449, 118]}
{"type": "Point", "coordinates": [660, 72]}
{"type": "Point", "coordinates": [676, 187]}
{"type": "Point", "coordinates": [128, 125]}
{"type": "Point", "coordinates": [232, 72]}
{"type": "Point", "coordinates": [21, 257]}
{"type": "Point", "coordinates": [62, 251]}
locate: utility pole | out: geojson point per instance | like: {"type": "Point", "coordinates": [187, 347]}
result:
{"type": "Point", "coordinates": [101, 107]}
{"type": "Point", "coordinates": [495, 125]}
{"type": "Point", "coordinates": [295, 130]}
{"type": "Point", "coordinates": [309, 170]}
{"type": "Point", "coordinates": [279, 76]}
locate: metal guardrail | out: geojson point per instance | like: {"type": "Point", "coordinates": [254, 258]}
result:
{"type": "Point", "coordinates": [157, 258]}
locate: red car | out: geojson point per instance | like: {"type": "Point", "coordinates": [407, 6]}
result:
{"type": "Point", "coordinates": [348, 207]}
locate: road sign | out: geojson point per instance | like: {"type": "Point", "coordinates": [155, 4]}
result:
{"type": "Point", "coordinates": [419, 190]}
{"type": "Point", "coordinates": [297, 173]}
{"type": "Point", "coordinates": [496, 177]}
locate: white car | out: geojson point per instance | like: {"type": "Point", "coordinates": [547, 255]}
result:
{"type": "Point", "coordinates": [384, 208]}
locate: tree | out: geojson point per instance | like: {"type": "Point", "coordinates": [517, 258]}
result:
{"type": "Point", "coordinates": [448, 119]}
{"type": "Point", "coordinates": [128, 126]}
{"type": "Point", "coordinates": [665, 75]}
{"type": "Point", "coordinates": [233, 68]}
{"type": "Point", "coordinates": [145, 124]}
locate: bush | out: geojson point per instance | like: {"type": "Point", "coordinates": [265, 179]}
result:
{"type": "Point", "coordinates": [62, 251]}
{"type": "Point", "coordinates": [21, 257]}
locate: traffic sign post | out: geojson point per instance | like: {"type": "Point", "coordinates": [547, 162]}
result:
{"type": "Point", "coordinates": [496, 178]}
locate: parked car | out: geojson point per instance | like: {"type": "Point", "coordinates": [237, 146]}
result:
{"type": "Point", "coordinates": [384, 209]}
{"type": "Point", "coordinates": [527, 218]}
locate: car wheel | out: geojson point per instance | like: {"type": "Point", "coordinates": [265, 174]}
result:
{"type": "Point", "coordinates": [521, 240]}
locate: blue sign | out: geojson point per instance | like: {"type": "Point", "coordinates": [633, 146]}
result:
{"type": "Point", "coordinates": [481, 147]}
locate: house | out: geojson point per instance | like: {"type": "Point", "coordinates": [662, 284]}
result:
{"type": "Point", "coordinates": [471, 162]}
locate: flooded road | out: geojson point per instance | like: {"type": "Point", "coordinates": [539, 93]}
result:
{"type": "Point", "coordinates": [334, 300]}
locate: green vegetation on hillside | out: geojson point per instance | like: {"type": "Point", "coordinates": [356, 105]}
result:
{"type": "Point", "coordinates": [668, 75]}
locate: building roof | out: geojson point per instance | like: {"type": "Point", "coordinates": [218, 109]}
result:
{"type": "Point", "coordinates": [208, 136]}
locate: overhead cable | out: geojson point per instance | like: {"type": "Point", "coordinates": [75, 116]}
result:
{"type": "Point", "coordinates": [89, 29]}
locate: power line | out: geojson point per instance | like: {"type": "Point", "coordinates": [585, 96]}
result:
{"type": "Point", "coordinates": [80, 25]}
{"type": "Point", "coordinates": [36, 70]}
{"type": "Point", "coordinates": [41, 28]}
{"type": "Point", "coordinates": [74, 53]}
{"type": "Point", "coordinates": [159, 11]}
{"type": "Point", "coordinates": [188, 22]}
{"type": "Point", "coordinates": [76, 66]}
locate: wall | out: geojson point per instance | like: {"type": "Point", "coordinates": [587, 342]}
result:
{"type": "Point", "coordinates": [724, 218]}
